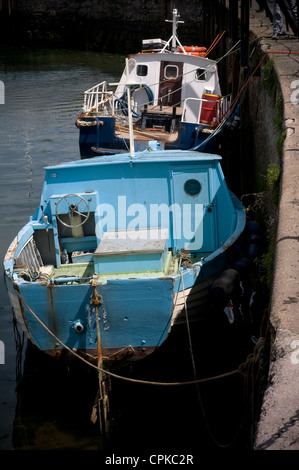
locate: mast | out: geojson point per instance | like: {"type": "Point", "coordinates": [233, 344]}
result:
{"type": "Point", "coordinates": [174, 39]}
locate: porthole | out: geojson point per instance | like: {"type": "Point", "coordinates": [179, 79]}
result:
{"type": "Point", "coordinates": [171, 72]}
{"type": "Point", "coordinates": [142, 70]}
{"type": "Point", "coordinates": [192, 187]}
{"type": "Point", "coordinates": [201, 75]}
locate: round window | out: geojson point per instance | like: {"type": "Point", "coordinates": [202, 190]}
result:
{"type": "Point", "coordinates": [192, 187]}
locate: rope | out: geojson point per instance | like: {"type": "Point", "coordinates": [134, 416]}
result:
{"type": "Point", "coordinates": [128, 379]}
{"type": "Point", "coordinates": [247, 370]}
{"type": "Point", "coordinates": [256, 68]}
{"type": "Point", "coordinates": [186, 73]}
{"type": "Point", "coordinates": [80, 123]}
{"type": "Point", "coordinates": [211, 46]}
{"type": "Point", "coordinates": [187, 322]}
{"type": "Point", "coordinates": [233, 103]}
{"type": "Point", "coordinates": [214, 43]}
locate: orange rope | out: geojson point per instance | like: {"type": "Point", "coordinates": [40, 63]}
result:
{"type": "Point", "coordinates": [214, 43]}
{"type": "Point", "coordinates": [259, 64]}
{"type": "Point", "coordinates": [210, 48]}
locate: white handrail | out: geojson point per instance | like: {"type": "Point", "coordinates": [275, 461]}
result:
{"type": "Point", "coordinates": [222, 106]}
{"type": "Point", "coordinates": [96, 97]}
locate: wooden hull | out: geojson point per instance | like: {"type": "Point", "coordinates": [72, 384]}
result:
{"type": "Point", "coordinates": [95, 309]}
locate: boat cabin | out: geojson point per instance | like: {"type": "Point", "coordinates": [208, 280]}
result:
{"type": "Point", "coordinates": [171, 84]}
{"type": "Point", "coordinates": [173, 92]}
{"type": "Point", "coordinates": [98, 217]}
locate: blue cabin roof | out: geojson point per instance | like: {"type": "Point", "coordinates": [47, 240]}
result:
{"type": "Point", "coordinates": [156, 156]}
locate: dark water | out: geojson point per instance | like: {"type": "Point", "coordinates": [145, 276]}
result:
{"type": "Point", "coordinates": [45, 405]}
{"type": "Point", "coordinates": [43, 97]}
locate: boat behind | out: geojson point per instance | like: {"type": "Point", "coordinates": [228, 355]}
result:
{"type": "Point", "coordinates": [173, 93]}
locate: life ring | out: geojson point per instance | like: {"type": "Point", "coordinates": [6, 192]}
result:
{"type": "Point", "coordinates": [197, 54]}
{"type": "Point", "coordinates": [192, 49]}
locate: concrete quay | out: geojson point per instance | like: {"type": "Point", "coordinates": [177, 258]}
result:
{"type": "Point", "coordinates": [278, 426]}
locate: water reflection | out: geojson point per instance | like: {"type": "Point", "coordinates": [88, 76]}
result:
{"type": "Point", "coordinates": [55, 399]}
{"type": "Point", "coordinates": [53, 406]}
{"type": "Point", "coordinates": [43, 96]}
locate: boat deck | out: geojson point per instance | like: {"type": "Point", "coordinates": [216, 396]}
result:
{"type": "Point", "coordinates": [148, 134]}
{"type": "Point", "coordinates": [86, 270]}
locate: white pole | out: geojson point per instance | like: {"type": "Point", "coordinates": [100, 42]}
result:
{"type": "Point", "coordinates": [174, 19]}
{"type": "Point", "coordinates": [132, 150]}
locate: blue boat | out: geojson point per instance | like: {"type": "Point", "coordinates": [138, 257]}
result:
{"type": "Point", "coordinates": [123, 250]}
{"type": "Point", "coordinates": [175, 97]}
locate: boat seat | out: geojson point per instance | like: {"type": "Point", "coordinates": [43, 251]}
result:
{"type": "Point", "coordinates": [131, 250]}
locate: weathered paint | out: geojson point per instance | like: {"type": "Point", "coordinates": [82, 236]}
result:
{"type": "Point", "coordinates": [141, 321]}
{"type": "Point", "coordinates": [137, 309]}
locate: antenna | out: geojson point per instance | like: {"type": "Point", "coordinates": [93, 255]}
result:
{"type": "Point", "coordinates": [174, 39]}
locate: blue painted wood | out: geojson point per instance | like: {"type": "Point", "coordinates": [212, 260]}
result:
{"type": "Point", "coordinates": [153, 189]}
{"type": "Point", "coordinates": [138, 320]}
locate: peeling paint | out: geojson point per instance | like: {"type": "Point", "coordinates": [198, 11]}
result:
{"type": "Point", "coordinates": [11, 250]}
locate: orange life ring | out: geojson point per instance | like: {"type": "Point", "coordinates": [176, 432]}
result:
{"type": "Point", "coordinates": [193, 49]}
{"type": "Point", "coordinates": [197, 54]}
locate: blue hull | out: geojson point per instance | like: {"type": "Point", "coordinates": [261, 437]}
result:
{"type": "Point", "coordinates": [124, 316]}
{"type": "Point", "coordinates": [100, 139]}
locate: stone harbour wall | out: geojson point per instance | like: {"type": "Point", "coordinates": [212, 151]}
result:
{"type": "Point", "coordinates": [98, 24]}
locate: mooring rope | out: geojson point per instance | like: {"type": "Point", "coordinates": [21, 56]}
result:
{"type": "Point", "coordinates": [128, 379]}
{"type": "Point", "coordinates": [187, 322]}
{"type": "Point", "coordinates": [234, 102]}
{"type": "Point", "coordinates": [245, 369]}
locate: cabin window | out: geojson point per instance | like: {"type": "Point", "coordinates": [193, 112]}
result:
{"type": "Point", "coordinates": [201, 75]}
{"type": "Point", "coordinates": [171, 71]}
{"type": "Point", "coordinates": [142, 70]}
{"type": "Point", "coordinates": [192, 187]}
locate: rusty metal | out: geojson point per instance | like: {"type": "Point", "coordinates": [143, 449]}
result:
{"type": "Point", "coordinates": [123, 353]}
{"type": "Point", "coordinates": [50, 288]}
{"type": "Point", "coordinates": [22, 310]}
{"type": "Point", "coordinates": [100, 409]}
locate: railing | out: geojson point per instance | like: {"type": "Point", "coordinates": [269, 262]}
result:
{"type": "Point", "coordinates": [96, 98]}
{"type": "Point", "coordinates": [193, 106]}
{"type": "Point", "coordinates": [30, 255]}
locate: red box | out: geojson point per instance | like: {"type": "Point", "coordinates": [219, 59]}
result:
{"type": "Point", "coordinates": [209, 109]}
